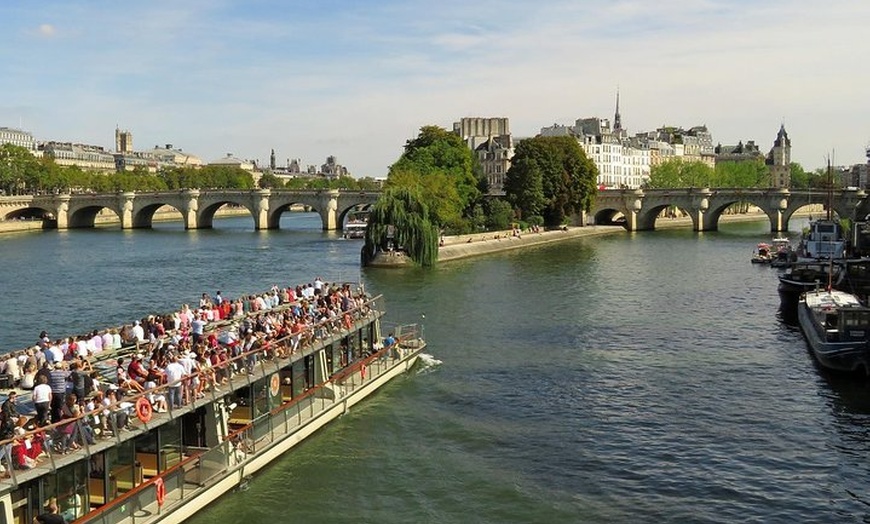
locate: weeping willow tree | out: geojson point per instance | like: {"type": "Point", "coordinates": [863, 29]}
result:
{"type": "Point", "coordinates": [400, 220]}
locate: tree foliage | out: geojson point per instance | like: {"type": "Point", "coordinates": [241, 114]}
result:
{"type": "Point", "coordinates": [443, 168]}
{"type": "Point", "coordinates": [551, 177]}
{"type": "Point", "coordinates": [400, 220]}
{"type": "Point", "coordinates": [676, 173]}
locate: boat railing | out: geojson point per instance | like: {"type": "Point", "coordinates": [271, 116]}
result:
{"type": "Point", "coordinates": [204, 466]}
{"type": "Point", "coordinates": [143, 500]}
{"type": "Point", "coordinates": [314, 337]}
{"type": "Point", "coordinates": [260, 433]}
{"type": "Point", "coordinates": [128, 347]}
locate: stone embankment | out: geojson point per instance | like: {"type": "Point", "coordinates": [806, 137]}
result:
{"type": "Point", "coordinates": [464, 246]}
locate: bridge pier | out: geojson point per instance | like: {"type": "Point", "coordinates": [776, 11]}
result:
{"type": "Point", "coordinates": [189, 208]}
{"type": "Point", "coordinates": [125, 204]}
{"type": "Point", "coordinates": [261, 209]}
{"type": "Point", "coordinates": [61, 213]}
{"type": "Point", "coordinates": [328, 208]}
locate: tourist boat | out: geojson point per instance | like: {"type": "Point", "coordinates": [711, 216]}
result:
{"type": "Point", "coordinates": [837, 327]}
{"type": "Point", "coordinates": [355, 229]}
{"type": "Point", "coordinates": [762, 254]}
{"type": "Point", "coordinates": [171, 464]}
{"type": "Point", "coordinates": [356, 225]}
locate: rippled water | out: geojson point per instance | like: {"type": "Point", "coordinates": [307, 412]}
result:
{"type": "Point", "coordinates": [630, 378]}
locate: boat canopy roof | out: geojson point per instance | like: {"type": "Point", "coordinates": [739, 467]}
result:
{"type": "Point", "coordinates": [831, 299]}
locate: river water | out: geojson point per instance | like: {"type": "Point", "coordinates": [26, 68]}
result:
{"type": "Point", "coordinates": [639, 377]}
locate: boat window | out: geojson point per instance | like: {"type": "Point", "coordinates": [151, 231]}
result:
{"type": "Point", "coordinates": [123, 473]}
{"type": "Point", "coordinates": [262, 399]}
{"type": "Point", "coordinates": [170, 442]}
{"type": "Point", "coordinates": [68, 489]}
{"type": "Point", "coordinates": [299, 385]}
{"type": "Point", "coordinates": [331, 358]}
{"type": "Point", "coordinates": [856, 318]}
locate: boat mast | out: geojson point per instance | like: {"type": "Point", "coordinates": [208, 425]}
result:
{"type": "Point", "coordinates": [830, 195]}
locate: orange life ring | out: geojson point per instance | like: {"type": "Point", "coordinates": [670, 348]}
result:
{"type": "Point", "coordinates": [143, 409]}
{"type": "Point", "coordinates": [161, 490]}
{"type": "Point", "coordinates": [275, 385]}
{"type": "Point", "coordinates": [362, 371]}
{"type": "Point", "coordinates": [348, 322]}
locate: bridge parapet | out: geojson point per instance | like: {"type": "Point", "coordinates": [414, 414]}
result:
{"type": "Point", "coordinates": [197, 206]}
{"type": "Point", "coordinates": [706, 205]}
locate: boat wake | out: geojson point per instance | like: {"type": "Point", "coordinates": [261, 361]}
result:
{"type": "Point", "coordinates": [428, 363]}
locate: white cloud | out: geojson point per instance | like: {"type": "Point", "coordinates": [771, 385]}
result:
{"type": "Point", "coordinates": [47, 30]}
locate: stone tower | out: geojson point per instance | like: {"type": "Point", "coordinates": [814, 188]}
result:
{"type": "Point", "coordinates": [779, 160]}
{"type": "Point", "coordinates": [272, 161]}
{"type": "Point", "coordinates": [123, 141]}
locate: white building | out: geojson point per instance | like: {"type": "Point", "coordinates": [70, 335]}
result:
{"type": "Point", "coordinates": [85, 156]}
{"type": "Point", "coordinates": [17, 137]}
{"type": "Point", "coordinates": [620, 162]}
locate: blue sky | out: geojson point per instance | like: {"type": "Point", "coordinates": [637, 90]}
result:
{"type": "Point", "coordinates": [356, 79]}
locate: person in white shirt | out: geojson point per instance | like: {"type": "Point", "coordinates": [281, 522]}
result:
{"type": "Point", "coordinates": [174, 374]}
{"type": "Point", "coordinates": [42, 400]}
{"type": "Point", "coordinates": [138, 332]}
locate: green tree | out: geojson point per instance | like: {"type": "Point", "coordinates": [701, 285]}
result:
{"type": "Point", "coordinates": [551, 177]}
{"type": "Point", "coordinates": [438, 162]}
{"type": "Point", "coordinates": [270, 181]}
{"type": "Point", "coordinates": [676, 173]}
{"type": "Point", "coordinates": [800, 179]}
{"type": "Point", "coordinates": [498, 212]}
{"type": "Point", "coordinates": [19, 169]}
{"type": "Point", "coordinates": [747, 174]}
{"type": "Point", "coordinates": [400, 220]}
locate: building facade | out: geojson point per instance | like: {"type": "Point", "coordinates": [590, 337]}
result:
{"type": "Point", "coordinates": [491, 142]}
{"type": "Point", "coordinates": [86, 156]}
{"type": "Point", "coordinates": [17, 137]}
{"type": "Point", "coordinates": [622, 162]}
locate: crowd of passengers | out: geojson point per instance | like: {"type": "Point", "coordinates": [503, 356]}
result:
{"type": "Point", "coordinates": [178, 358]}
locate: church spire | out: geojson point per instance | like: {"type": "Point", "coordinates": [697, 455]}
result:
{"type": "Point", "coordinates": [617, 120]}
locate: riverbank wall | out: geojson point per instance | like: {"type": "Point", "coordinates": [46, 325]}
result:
{"type": "Point", "coordinates": [465, 246]}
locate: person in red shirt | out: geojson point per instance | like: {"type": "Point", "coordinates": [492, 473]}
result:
{"type": "Point", "coordinates": [136, 370]}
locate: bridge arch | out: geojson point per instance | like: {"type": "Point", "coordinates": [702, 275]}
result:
{"type": "Point", "coordinates": [646, 219]}
{"type": "Point", "coordinates": [86, 216]}
{"type": "Point", "coordinates": [274, 217]}
{"type": "Point", "coordinates": [205, 215]}
{"type": "Point", "coordinates": [143, 217]}
{"type": "Point", "coordinates": [342, 215]}
{"type": "Point", "coordinates": [28, 213]}
{"type": "Point", "coordinates": [607, 216]}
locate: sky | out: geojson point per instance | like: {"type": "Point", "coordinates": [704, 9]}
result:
{"type": "Point", "coordinates": [358, 78]}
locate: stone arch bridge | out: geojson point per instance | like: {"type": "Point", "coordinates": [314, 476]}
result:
{"type": "Point", "coordinates": [641, 207]}
{"type": "Point", "coordinates": [197, 207]}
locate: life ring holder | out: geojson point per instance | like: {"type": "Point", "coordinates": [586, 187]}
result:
{"type": "Point", "coordinates": [275, 385]}
{"type": "Point", "coordinates": [144, 410]}
{"type": "Point", "coordinates": [160, 487]}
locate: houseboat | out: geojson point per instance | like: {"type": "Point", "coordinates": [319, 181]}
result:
{"type": "Point", "coordinates": [837, 328]}
{"type": "Point", "coordinates": [163, 466]}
